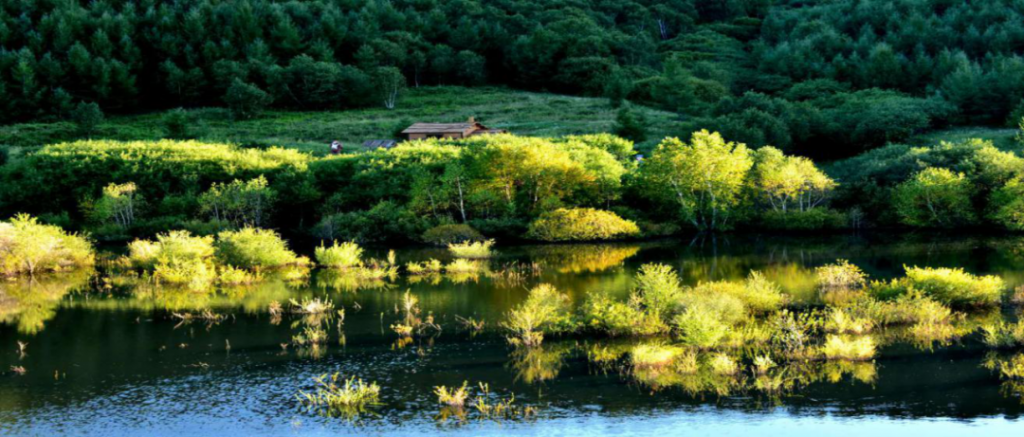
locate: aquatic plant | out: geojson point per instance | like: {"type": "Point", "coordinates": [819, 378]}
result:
{"type": "Point", "coordinates": [1012, 368]}
{"type": "Point", "coordinates": [424, 268]}
{"type": "Point", "coordinates": [464, 266]}
{"type": "Point", "coordinates": [339, 256]}
{"type": "Point", "coordinates": [700, 327]}
{"type": "Point", "coordinates": [310, 335]}
{"type": "Point", "coordinates": [659, 287]}
{"type": "Point", "coordinates": [602, 313]}
{"type": "Point", "coordinates": [30, 247]}
{"type": "Point", "coordinates": [501, 408]}
{"type": "Point", "coordinates": [954, 286]}
{"type": "Point", "coordinates": [472, 249]}
{"type": "Point", "coordinates": [314, 305]}
{"type": "Point", "coordinates": [849, 348]}
{"type": "Point", "coordinates": [844, 321]}
{"type": "Point", "coordinates": [340, 396]}
{"type": "Point", "coordinates": [176, 257]}
{"type": "Point", "coordinates": [840, 275]}
{"type": "Point", "coordinates": [451, 396]}
{"type": "Point", "coordinates": [253, 249]}
{"type": "Point", "coordinates": [762, 295]}
{"type": "Point", "coordinates": [544, 310]}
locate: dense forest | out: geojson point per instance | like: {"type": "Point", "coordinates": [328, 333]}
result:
{"type": "Point", "coordinates": [826, 79]}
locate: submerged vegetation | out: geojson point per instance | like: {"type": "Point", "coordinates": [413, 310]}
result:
{"type": "Point", "coordinates": [339, 396]}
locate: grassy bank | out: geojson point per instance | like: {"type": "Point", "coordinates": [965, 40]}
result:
{"type": "Point", "coordinates": [522, 113]}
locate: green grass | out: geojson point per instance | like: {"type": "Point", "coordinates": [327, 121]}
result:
{"type": "Point", "coordinates": [522, 113]}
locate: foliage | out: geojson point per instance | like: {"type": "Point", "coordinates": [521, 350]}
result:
{"type": "Point", "coordinates": [177, 124]}
{"type": "Point", "coordinates": [630, 125]}
{"type": "Point", "coordinates": [545, 310]}
{"type": "Point", "coordinates": [241, 203]}
{"type": "Point", "coordinates": [176, 257]}
{"type": "Point", "coordinates": [443, 235]}
{"type": "Point", "coordinates": [30, 247]}
{"type": "Point", "coordinates": [246, 100]}
{"type": "Point", "coordinates": [954, 286]}
{"type": "Point", "coordinates": [581, 224]}
{"type": "Point", "coordinates": [935, 197]}
{"type": "Point", "coordinates": [782, 180]}
{"type": "Point", "coordinates": [87, 117]}
{"type": "Point", "coordinates": [254, 249]}
{"type": "Point", "coordinates": [118, 204]}
{"type": "Point", "coordinates": [339, 256]}
{"type": "Point", "coordinates": [472, 249]}
{"type": "Point", "coordinates": [841, 275]}
{"type": "Point", "coordinates": [340, 396]}
{"type": "Point", "coordinates": [703, 178]}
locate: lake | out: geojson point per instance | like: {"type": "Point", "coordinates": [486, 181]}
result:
{"type": "Point", "coordinates": [114, 356]}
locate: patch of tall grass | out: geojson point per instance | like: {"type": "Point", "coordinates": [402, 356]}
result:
{"type": "Point", "coordinates": [840, 275]}
{"type": "Point", "coordinates": [338, 396]}
{"type": "Point", "coordinates": [849, 348]}
{"type": "Point", "coordinates": [472, 249]}
{"type": "Point", "coordinates": [339, 256]}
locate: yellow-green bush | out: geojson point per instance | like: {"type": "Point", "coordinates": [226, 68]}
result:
{"type": "Point", "coordinates": [27, 246]}
{"type": "Point", "coordinates": [253, 248]}
{"type": "Point", "coordinates": [339, 256]}
{"type": "Point", "coordinates": [581, 224]}
{"type": "Point", "coordinates": [954, 286]}
{"type": "Point", "coordinates": [472, 250]}
{"type": "Point", "coordinates": [176, 257]}
{"type": "Point", "coordinates": [545, 310]}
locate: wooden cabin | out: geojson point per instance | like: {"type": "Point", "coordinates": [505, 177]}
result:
{"type": "Point", "coordinates": [448, 130]}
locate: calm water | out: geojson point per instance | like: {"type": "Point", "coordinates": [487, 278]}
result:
{"type": "Point", "coordinates": [110, 357]}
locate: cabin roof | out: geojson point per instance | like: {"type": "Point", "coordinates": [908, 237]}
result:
{"type": "Point", "coordinates": [379, 144]}
{"type": "Point", "coordinates": [425, 128]}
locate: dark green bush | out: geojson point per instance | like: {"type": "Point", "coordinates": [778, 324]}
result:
{"type": "Point", "coordinates": [177, 124]}
{"type": "Point", "coordinates": [443, 235]}
{"type": "Point", "coordinates": [87, 116]}
{"type": "Point", "coordinates": [811, 219]}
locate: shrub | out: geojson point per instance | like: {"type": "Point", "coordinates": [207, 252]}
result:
{"type": "Point", "coordinates": [840, 276]}
{"type": "Point", "coordinates": [241, 203]}
{"type": "Point", "coordinates": [659, 289]}
{"type": "Point", "coordinates": [177, 124]}
{"type": "Point", "coordinates": [443, 235]}
{"type": "Point", "coordinates": [246, 100]}
{"type": "Point", "coordinates": [87, 116]}
{"type": "Point", "coordinates": [935, 197]}
{"type": "Point", "coordinates": [701, 327]}
{"type": "Point", "coordinates": [253, 248]}
{"type": "Point", "coordinates": [1004, 335]}
{"type": "Point", "coordinates": [611, 317]}
{"type": "Point", "coordinates": [1007, 204]}
{"type": "Point", "coordinates": [811, 219]}
{"type": "Point", "coordinates": [27, 246]}
{"type": "Point", "coordinates": [464, 266]}
{"type": "Point", "coordinates": [581, 224]}
{"type": "Point", "coordinates": [760, 294]}
{"type": "Point", "coordinates": [722, 364]}
{"type": "Point", "coordinates": [545, 310]}
{"type": "Point", "coordinates": [847, 348]}
{"type": "Point", "coordinates": [339, 256]}
{"type": "Point", "coordinates": [956, 287]}
{"type": "Point", "coordinates": [176, 257]}
{"type": "Point", "coordinates": [472, 250]}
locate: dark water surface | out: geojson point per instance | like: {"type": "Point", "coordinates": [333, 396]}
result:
{"type": "Point", "coordinates": [111, 358]}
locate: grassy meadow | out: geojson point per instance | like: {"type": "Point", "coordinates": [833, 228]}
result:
{"type": "Point", "coordinates": [523, 113]}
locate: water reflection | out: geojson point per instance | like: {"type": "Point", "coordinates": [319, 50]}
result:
{"type": "Point", "coordinates": [112, 333]}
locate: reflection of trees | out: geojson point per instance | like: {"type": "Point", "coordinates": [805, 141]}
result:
{"type": "Point", "coordinates": [580, 258]}
{"type": "Point", "coordinates": [142, 294]}
{"type": "Point", "coordinates": [29, 302]}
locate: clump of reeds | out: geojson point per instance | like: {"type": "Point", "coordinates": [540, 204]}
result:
{"type": "Point", "coordinates": [314, 305]}
{"type": "Point", "coordinates": [545, 310]}
{"type": "Point", "coordinates": [472, 249]}
{"type": "Point", "coordinates": [840, 275]}
{"type": "Point", "coordinates": [427, 267]}
{"type": "Point", "coordinates": [339, 255]}
{"type": "Point", "coordinates": [335, 395]}
{"type": "Point", "coordinates": [452, 396]}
